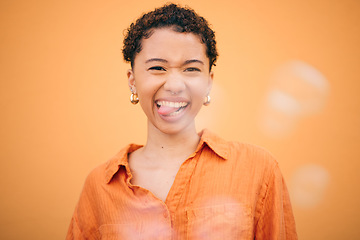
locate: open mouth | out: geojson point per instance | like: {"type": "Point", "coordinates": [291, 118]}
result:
{"type": "Point", "coordinates": [167, 108]}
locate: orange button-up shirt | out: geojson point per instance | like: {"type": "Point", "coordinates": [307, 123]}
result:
{"type": "Point", "coordinates": [224, 190]}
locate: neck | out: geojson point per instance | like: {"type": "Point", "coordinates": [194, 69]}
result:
{"type": "Point", "coordinates": [162, 146]}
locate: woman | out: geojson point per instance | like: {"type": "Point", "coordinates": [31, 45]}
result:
{"type": "Point", "coordinates": [181, 184]}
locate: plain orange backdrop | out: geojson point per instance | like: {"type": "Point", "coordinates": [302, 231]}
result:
{"type": "Point", "coordinates": [65, 101]}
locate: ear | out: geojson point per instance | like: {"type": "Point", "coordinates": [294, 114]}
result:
{"type": "Point", "coordinates": [210, 83]}
{"type": "Point", "coordinates": [131, 80]}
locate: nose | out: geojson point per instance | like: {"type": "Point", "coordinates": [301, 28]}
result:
{"type": "Point", "coordinates": [174, 83]}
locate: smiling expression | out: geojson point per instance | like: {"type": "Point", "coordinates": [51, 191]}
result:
{"type": "Point", "coordinates": [171, 77]}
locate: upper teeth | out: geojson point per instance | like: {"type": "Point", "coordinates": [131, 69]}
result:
{"type": "Point", "coordinates": [171, 104]}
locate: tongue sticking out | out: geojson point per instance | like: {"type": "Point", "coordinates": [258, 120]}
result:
{"type": "Point", "coordinates": [165, 110]}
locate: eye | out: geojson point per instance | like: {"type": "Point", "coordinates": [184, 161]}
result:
{"type": "Point", "coordinates": [157, 68]}
{"type": "Point", "coordinates": [192, 69]}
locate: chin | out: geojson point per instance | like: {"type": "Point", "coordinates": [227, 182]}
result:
{"type": "Point", "coordinates": [174, 129]}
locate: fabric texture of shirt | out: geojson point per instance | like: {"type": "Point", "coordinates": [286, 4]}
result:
{"type": "Point", "coordinates": [224, 190]}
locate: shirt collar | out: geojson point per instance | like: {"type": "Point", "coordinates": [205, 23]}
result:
{"type": "Point", "coordinates": [120, 159]}
{"type": "Point", "coordinates": [215, 143]}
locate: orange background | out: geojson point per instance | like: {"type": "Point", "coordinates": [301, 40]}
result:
{"type": "Point", "coordinates": [65, 103]}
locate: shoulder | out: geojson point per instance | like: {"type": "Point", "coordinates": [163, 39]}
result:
{"type": "Point", "coordinates": [251, 153]}
{"type": "Point", "coordinates": [104, 172]}
{"type": "Point", "coordinates": [95, 178]}
{"type": "Point", "coordinates": [252, 161]}
{"type": "Point", "coordinates": [239, 154]}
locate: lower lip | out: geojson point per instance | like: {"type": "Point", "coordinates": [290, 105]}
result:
{"type": "Point", "coordinates": [175, 117]}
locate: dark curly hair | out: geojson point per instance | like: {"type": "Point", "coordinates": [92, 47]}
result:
{"type": "Point", "coordinates": [170, 15]}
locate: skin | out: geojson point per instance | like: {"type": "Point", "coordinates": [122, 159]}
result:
{"type": "Point", "coordinates": [172, 68]}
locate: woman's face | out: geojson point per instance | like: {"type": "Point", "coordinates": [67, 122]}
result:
{"type": "Point", "coordinates": [171, 77]}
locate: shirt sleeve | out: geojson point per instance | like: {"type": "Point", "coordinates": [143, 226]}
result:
{"type": "Point", "coordinates": [276, 220]}
{"type": "Point", "coordinates": [74, 231]}
{"type": "Point", "coordinates": [83, 224]}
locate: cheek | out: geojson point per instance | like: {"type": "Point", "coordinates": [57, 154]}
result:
{"type": "Point", "coordinates": [199, 89]}
{"type": "Point", "coordinates": [147, 87]}
{"type": "Point", "coordinates": [146, 94]}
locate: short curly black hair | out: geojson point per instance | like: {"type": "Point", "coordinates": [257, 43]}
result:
{"type": "Point", "coordinates": [170, 15]}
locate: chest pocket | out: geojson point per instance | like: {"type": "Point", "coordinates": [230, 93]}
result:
{"type": "Point", "coordinates": [224, 222]}
{"type": "Point", "coordinates": [135, 231]}
{"type": "Point", "coordinates": [120, 231]}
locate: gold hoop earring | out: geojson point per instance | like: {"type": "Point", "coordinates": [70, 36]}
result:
{"type": "Point", "coordinates": [207, 100]}
{"type": "Point", "coordinates": [134, 99]}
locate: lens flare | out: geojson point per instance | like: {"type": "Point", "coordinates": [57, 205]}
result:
{"type": "Point", "coordinates": [296, 90]}
{"type": "Point", "coordinates": [309, 185]}
{"type": "Point", "coordinates": [219, 218]}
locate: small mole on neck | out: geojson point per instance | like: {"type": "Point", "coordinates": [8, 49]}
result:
{"type": "Point", "coordinates": [162, 147]}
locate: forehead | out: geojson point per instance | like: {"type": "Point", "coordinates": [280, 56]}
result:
{"type": "Point", "coordinates": [173, 46]}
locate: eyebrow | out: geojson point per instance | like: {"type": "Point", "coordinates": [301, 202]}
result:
{"type": "Point", "coordinates": [165, 61]}
{"type": "Point", "coordinates": [193, 61]}
{"type": "Point", "coordinates": [156, 60]}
